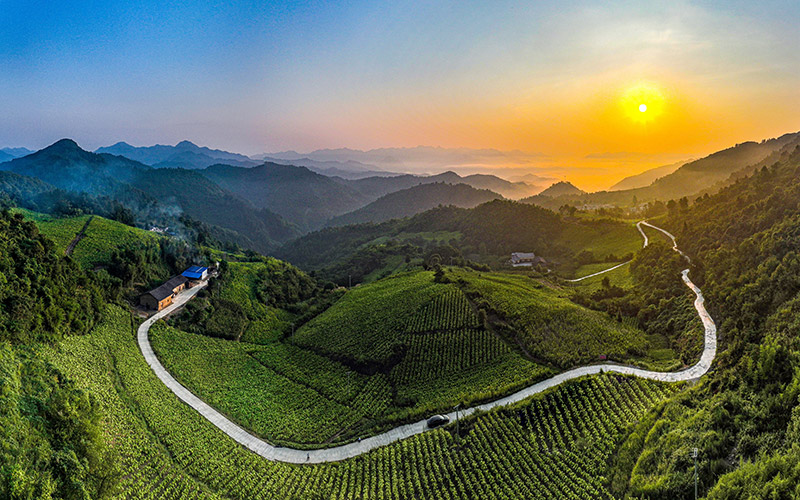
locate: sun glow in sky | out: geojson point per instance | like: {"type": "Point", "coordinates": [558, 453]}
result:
{"type": "Point", "coordinates": [560, 81]}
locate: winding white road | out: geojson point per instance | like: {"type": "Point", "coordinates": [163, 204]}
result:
{"type": "Point", "coordinates": [346, 451]}
{"type": "Point", "coordinates": [641, 231]}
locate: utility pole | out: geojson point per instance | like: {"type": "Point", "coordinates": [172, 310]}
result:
{"type": "Point", "coordinates": [694, 456]}
{"type": "Point", "coordinates": [458, 428]}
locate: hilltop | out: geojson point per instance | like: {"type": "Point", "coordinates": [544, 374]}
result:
{"type": "Point", "coordinates": [562, 188]}
{"type": "Point", "coordinates": [411, 201]}
{"type": "Point", "coordinates": [65, 165]}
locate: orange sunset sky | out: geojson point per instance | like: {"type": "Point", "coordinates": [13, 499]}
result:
{"type": "Point", "coordinates": [561, 82]}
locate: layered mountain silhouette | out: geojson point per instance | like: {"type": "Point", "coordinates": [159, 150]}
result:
{"type": "Point", "coordinates": [303, 197]}
{"type": "Point", "coordinates": [647, 177]}
{"type": "Point", "coordinates": [413, 200]}
{"type": "Point", "coordinates": [64, 165]}
{"type": "Point", "coordinates": [185, 154]}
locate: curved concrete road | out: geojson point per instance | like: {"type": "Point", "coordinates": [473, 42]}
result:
{"type": "Point", "coordinates": [346, 451]}
{"type": "Point", "coordinates": [639, 227]}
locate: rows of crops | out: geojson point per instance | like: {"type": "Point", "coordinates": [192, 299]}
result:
{"type": "Point", "coordinates": [447, 311]}
{"type": "Point", "coordinates": [555, 446]}
{"type": "Point", "coordinates": [256, 385]}
{"type": "Point", "coordinates": [431, 372]}
{"type": "Point", "coordinates": [102, 235]}
{"type": "Point", "coordinates": [60, 230]}
{"type": "Point", "coordinates": [252, 394]}
{"type": "Point", "coordinates": [551, 327]}
{"type": "Point", "coordinates": [435, 354]}
{"type": "Point", "coordinates": [367, 323]}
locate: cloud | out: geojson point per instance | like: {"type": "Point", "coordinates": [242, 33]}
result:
{"type": "Point", "coordinates": [618, 155]}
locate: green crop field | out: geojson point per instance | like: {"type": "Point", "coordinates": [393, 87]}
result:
{"type": "Point", "coordinates": [391, 352]}
{"type": "Point", "coordinates": [549, 326]}
{"type": "Point", "coordinates": [367, 324]}
{"type": "Point", "coordinates": [620, 277]}
{"type": "Point", "coordinates": [555, 445]}
{"type": "Point", "coordinates": [102, 235]}
{"type": "Point", "coordinates": [441, 356]}
{"type": "Point", "coordinates": [603, 238]}
{"type": "Point", "coordinates": [61, 230]}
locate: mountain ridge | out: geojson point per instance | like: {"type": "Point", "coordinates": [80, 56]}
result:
{"type": "Point", "coordinates": [414, 200]}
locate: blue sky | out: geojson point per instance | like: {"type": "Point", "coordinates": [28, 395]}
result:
{"type": "Point", "coordinates": [266, 76]}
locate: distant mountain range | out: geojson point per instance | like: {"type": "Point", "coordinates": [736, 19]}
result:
{"type": "Point", "coordinates": [305, 198]}
{"type": "Point", "coordinates": [64, 165]}
{"type": "Point", "coordinates": [377, 187]}
{"type": "Point", "coordinates": [349, 169]}
{"type": "Point", "coordinates": [7, 154]}
{"type": "Point", "coordinates": [185, 154]}
{"type": "Point", "coordinates": [414, 200]}
{"type": "Point", "coordinates": [309, 199]}
{"type": "Point", "coordinates": [263, 205]}
{"type": "Point", "coordinates": [417, 159]}
{"type": "Point", "coordinates": [706, 175]}
{"type": "Point", "coordinates": [267, 203]}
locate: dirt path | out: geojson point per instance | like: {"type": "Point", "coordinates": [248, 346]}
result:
{"type": "Point", "coordinates": [646, 241]}
{"type": "Point", "coordinates": [78, 237]}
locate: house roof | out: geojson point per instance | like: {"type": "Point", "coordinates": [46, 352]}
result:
{"type": "Point", "coordinates": [162, 292]}
{"type": "Point", "coordinates": [194, 272]}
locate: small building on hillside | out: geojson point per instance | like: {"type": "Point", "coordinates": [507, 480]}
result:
{"type": "Point", "coordinates": [523, 259]}
{"type": "Point", "coordinates": [162, 296]}
{"type": "Point", "coordinates": [196, 273]}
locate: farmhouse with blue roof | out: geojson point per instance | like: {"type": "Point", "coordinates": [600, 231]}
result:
{"type": "Point", "coordinates": [196, 273]}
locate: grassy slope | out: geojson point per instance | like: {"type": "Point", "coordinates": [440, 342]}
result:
{"type": "Point", "coordinates": [555, 445]}
{"type": "Point", "coordinates": [101, 237]}
{"type": "Point", "coordinates": [551, 327]}
{"type": "Point", "coordinates": [620, 277]}
{"type": "Point", "coordinates": [60, 230]}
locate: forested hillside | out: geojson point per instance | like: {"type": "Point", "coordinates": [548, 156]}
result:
{"type": "Point", "coordinates": [743, 419]}
{"type": "Point", "coordinates": [74, 181]}
{"type": "Point", "coordinates": [306, 198]}
{"type": "Point", "coordinates": [497, 227]}
{"type": "Point", "coordinates": [411, 201]}
{"type": "Point", "coordinates": [486, 235]}
{"type": "Point", "coordinates": [53, 445]}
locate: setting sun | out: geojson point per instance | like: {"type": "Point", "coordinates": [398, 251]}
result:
{"type": "Point", "coordinates": [643, 102]}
